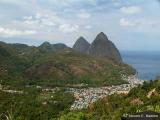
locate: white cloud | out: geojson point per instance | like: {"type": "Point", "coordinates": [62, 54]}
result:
{"type": "Point", "coordinates": [47, 22]}
{"type": "Point", "coordinates": [142, 24]}
{"type": "Point", "coordinates": [131, 9]}
{"type": "Point", "coordinates": [126, 23]}
{"type": "Point", "coordinates": [84, 15]}
{"type": "Point", "coordinates": [88, 27]}
{"type": "Point", "coordinates": [42, 20]}
{"type": "Point", "coordinates": [31, 22]}
{"type": "Point", "coordinates": [38, 16]}
{"type": "Point", "coordinates": [27, 17]}
{"type": "Point", "coordinates": [13, 2]}
{"type": "Point", "coordinates": [13, 32]}
{"type": "Point", "coordinates": [68, 28]}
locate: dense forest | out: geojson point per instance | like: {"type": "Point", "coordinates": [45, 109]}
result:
{"type": "Point", "coordinates": [35, 104]}
{"type": "Point", "coordinates": [56, 65]}
{"type": "Point", "coordinates": [33, 83]}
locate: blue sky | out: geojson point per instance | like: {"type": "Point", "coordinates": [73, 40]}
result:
{"type": "Point", "coordinates": [130, 24]}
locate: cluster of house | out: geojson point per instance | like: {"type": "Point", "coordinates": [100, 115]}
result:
{"type": "Point", "coordinates": [13, 91]}
{"type": "Point", "coordinates": [86, 96]}
{"type": "Point", "coordinates": [10, 91]}
{"type": "Point", "coordinates": [53, 90]}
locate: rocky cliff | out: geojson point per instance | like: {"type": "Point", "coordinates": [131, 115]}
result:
{"type": "Point", "coordinates": [101, 47]}
{"type": "Point", "coordinates": [82, 45]}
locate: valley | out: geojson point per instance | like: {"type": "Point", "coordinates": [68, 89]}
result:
{"type": "Point", "coordinates": [52, 81]}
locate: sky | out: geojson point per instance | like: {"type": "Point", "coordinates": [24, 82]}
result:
{"type": "Point", "coordinates": [133, 25]}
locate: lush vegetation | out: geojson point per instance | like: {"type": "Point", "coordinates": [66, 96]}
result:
{"type": "Point", "coordinates": [56, 65]}
{"type": "Point", "coordinates": [113, 107]}
{"type": "Point", "coordinates": [34, 104]}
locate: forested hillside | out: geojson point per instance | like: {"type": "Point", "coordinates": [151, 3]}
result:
{"type": "Point", "coordinates": [57, 65]}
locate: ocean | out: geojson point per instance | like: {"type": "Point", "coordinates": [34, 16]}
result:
{"type": "Point", "coordinates": [147, 64]}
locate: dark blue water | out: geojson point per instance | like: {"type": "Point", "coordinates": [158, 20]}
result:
{"type": "Point", "coordinates": [147, 64]}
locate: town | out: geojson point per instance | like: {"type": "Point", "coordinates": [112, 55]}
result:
{"type": "Point", "coordinates": [86, 96]}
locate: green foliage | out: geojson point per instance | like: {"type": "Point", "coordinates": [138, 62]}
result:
{"type": "Point", "coordinates": [72, 68]}
{"type": "Point", "coordinates": [114, 106]}
{"type": "Point", "coordinates": [27, 106]}
{"type": "Point", "coordinates": [73, 116]}
{"type": "Point", "coordinates": [56, 65]}
{"type": "Point", "coordinates": [49, 65]}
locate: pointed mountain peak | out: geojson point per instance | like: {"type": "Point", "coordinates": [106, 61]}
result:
{"type": "Point", "coordinates": [45, 44]}
{"type": "Point", "coordinates": [102, 47]}
{"type": "Point", "coordinates": [102, 36]}
{"type": "Point", "coordinates": [81, 45]}
{"type": "Point", "coordinates": [101, 33]}
{"type": "Point", "coordinates": [46, 47]}
{"type": "Point", "coordinates": [81, 39]}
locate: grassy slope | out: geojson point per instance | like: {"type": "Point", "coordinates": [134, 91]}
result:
{"type": "Point", "coordinates": [40, 65]}
{"type": "Point", "coordinates": [69, 67]}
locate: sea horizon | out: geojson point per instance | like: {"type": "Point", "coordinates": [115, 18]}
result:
{"type": "Point", "coordinates": [147, 63]}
